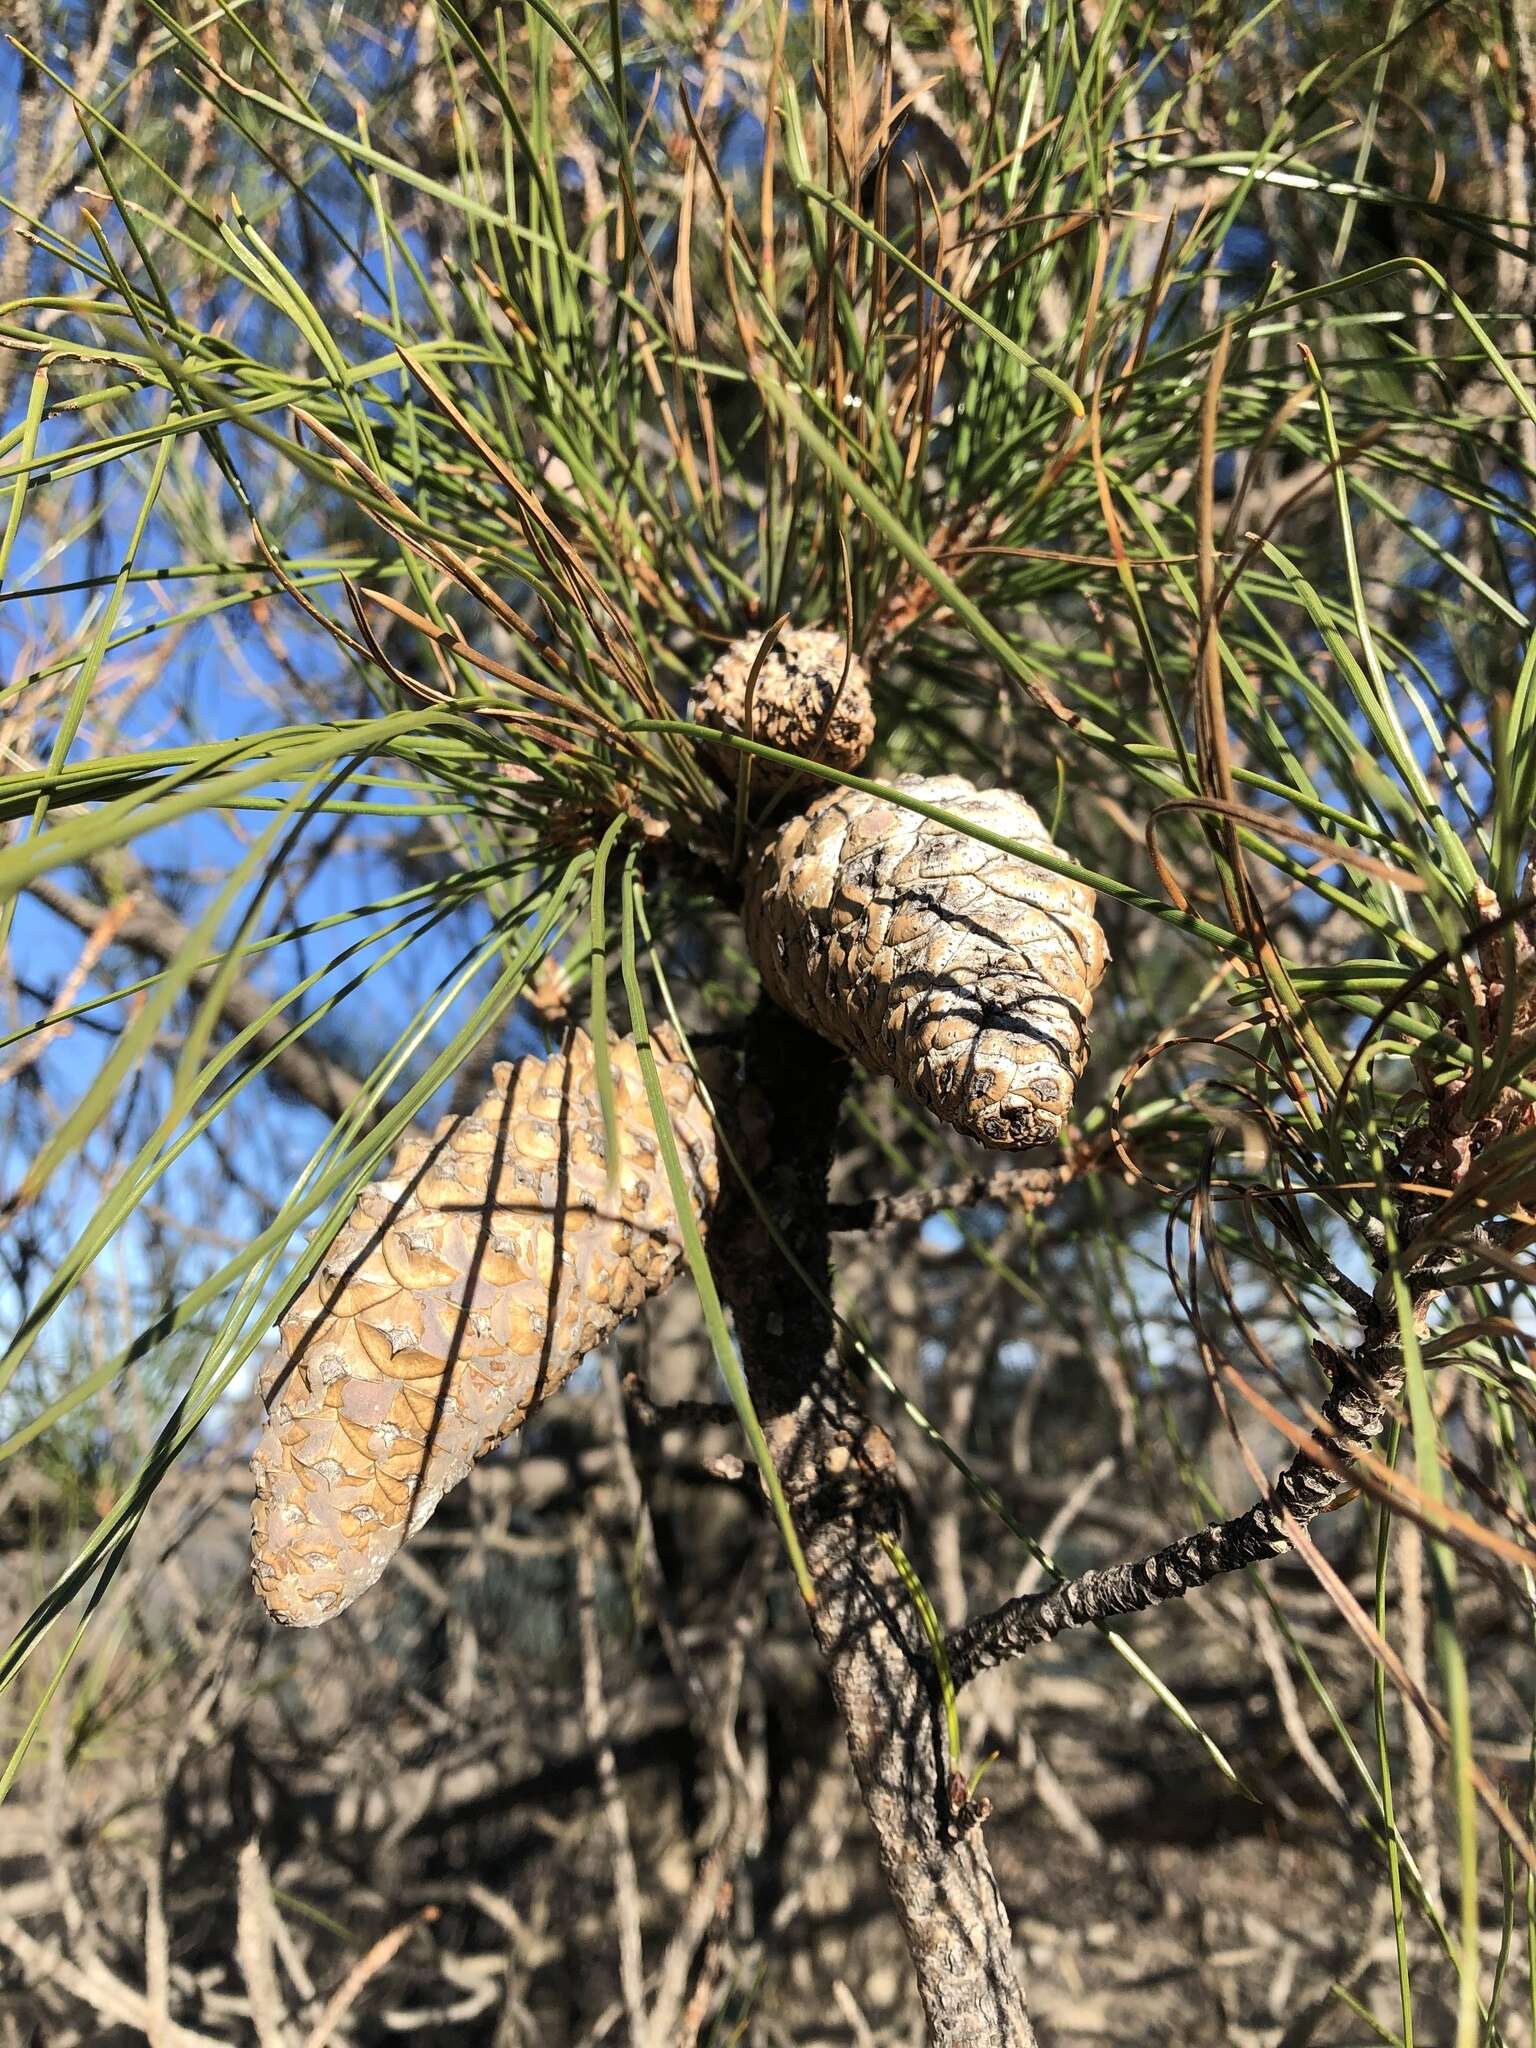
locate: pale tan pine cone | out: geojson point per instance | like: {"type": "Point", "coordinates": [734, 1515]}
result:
{"type": "Point", "coordinates": [963, 972]}
{"type": "Point", "coordinates": [811, 698]}
{"type": "Point", "coordinates": [465, 1288]}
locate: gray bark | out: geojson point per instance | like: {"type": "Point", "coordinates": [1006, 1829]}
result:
{"type": "Point", "coordinates": [1367, 1383]}
{"type": "Point", "coordinates": [838, 1472]}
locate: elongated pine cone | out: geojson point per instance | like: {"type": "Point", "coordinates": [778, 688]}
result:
{"type": "Point", "coordinates": [811, 697]}
{"type": "Point", "coordinates": [464, 1289]}
{"type": "Point", "coordinates": [964, 973]}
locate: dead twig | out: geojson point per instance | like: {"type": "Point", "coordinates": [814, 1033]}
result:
{"type": "Point", "coordinates": [594, 1702]}
{"type": "Point", "coordinates": [1022, 1187]}
{"type": "Point", "coordinates": [362, 1973]}
{"type": "Point", "coordinates": [255, 1946]}
{"type": "Point", "coordinates": [1366, 1384]}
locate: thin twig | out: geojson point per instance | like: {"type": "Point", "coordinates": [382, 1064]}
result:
{"type": "Point", "coordinates": [1023, 1187]}
{"type": "Point", "coordinates": [1367, 1383]}
{"type": "Point", "coordinates": [672, 1413]}
{"type": "Point", "coordinates": [157, 1961]}
{"type": "Point", "coordinates": [357, 1979]}
{"type": "Point", "coordinates": [1413, 1616]}
{"type": "Point", "coordinates": [254, 1945]}
{"type": "Point", "coordinates": [626, 1881]}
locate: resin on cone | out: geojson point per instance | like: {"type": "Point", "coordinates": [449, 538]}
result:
{"type": "Point", "coordinates": [465, 1288]}
{"type": "Point", "coordinates": [963, 972]}
{"type": "Point", "coordinates": [811, 697]}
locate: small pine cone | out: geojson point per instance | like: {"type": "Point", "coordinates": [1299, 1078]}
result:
{"type": "Point", "coordinates": [548, 992]}
{"type": "Point", "coordinates": [964, 973]}
{"type": "Point", "coordinates": [808, 681]}
{"type": "Point", "coordinates": [464, 1289]}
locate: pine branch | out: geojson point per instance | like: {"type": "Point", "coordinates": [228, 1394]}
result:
{"type": "Point", "coordinates": [1022, 1187]}
{"type": "Point", "coordinates": [1367, 1383]}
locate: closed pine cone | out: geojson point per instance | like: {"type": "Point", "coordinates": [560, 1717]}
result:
{"type": "Point", "coordinates": [964, 973]}
{"type": "Point", "coordinates": [807, 681]}
{"type": "Point", "coordinates": [464, 1289]}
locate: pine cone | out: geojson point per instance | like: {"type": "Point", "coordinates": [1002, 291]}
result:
{"type": "Point", "coordinates": [464, 1289]}
{"type": "Point", "coordinates": [548, 993]}
{"type": "Point", "coordinates": [808, 682]}
{"type": "Point", "coordinates": [965, 974]}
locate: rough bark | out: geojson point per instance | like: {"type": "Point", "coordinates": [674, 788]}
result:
{"type": "Point", "coordinates": [838, 1472]}
{"type": "Point", "coordinates": [1367, 1382]}
{"type": "Point", "coordinates": [1019, 1187]}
